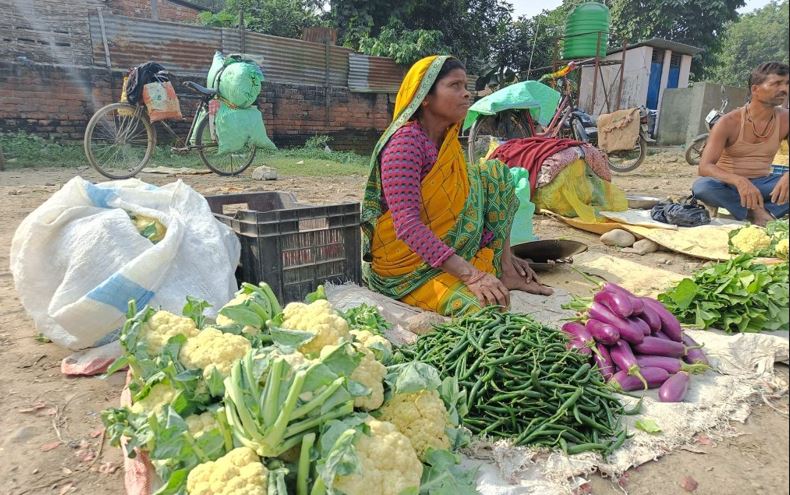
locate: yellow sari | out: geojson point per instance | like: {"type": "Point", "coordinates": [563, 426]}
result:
{"type": "Point", "coordinates": [460, 201]}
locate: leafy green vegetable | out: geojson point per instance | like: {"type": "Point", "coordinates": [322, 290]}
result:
{"type": "Point", "coordinates": [366, 317]}
{"type": "Point", "coordinates": [648, 426]}
{"type": "Point", "coordinates": [317, 295]}
{"type": "Point", "coordinates": [443, 475]}
{"type": "Point", "coordinates": [272, 404]}
{"type": "Point", "coordinates": [739, 295]}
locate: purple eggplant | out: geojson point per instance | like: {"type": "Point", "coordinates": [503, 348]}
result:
{"type": "Point", "coordinates": [650, 317]}
{"type": "Point", "coordinates": [661, 335]}
{"type": "Point", "coordinates": [694, 354]}
{"type": "Point", "coordinates": [624, 358]}
{"type": "Point", "coordinates": [615, 301]}
{"type": "Point", "coordinates": [603, 332]}
{"type": "Point", "coordinates": [581, 340]}
{"type": "Point", "coordinates": [640, 324]}
{"type": "Point", "coordinates": [627, 331]}
{"type": "Point", "coordinates": [671, 364]}
{"type": "Point", "coordinates": [654, 346]}
{"type": "Point", "coordinates": [669, 324]}
{"type": "Point", "coordinates": [674, 388]}
{"type": "Point", "coordinates": [636, 303]}
{"type": "Point", "coordinates": [604, 362]}
{"type": "Point", "coordinates": [654, 377]}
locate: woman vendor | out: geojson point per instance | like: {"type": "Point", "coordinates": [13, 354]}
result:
{"type": "Point", "coordinates": [437, 229]}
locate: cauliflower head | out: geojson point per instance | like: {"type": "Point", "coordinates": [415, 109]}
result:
{"type": "Point", "coordinates": [387, 463]}
{"type": "Point", "coordinates": [239, 472]}
{"type": "Point", "coordinates": [318, 318]}
{"type": "Point", "coordinates": [198, 424]}
{"type": "Point", "coordinates": [162, 325]}
{"type": "Point", "coordinates": [781, 248]}
{"type": "Point", "coordinates": [369, 373]}
{"type": "Point", "coordinates": [211, 348]}
{"type": "Point", "coordinates": [159, 395]}
{"type": "Point", "coordinates": [223, 320]}
{"type": "Point", "coordinates": [370, 339]}
{"type": "Point", "coordinates": [752, 240]}
{"type": "Point", "coordinates": [421, 416]}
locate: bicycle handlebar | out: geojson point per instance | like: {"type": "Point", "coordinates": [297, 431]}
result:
{"type": "Point", "coordinates": [564, 71]}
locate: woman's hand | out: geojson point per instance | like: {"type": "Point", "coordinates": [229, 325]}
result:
{"type": "Point", "coordinates": [488, 289]}
{"type": "Point", "coordinates": [523, 269]}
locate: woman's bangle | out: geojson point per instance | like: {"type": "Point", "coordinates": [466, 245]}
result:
{"type": "Point", "coordinates": [476, 278]}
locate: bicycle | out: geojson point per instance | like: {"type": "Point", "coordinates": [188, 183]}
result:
{"type": "Point", "coordinates": [120, 139]}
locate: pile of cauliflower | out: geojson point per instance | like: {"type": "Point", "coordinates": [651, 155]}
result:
{"type": "Point", "coordinates": [769, 241]}
{"type": "Point", "coordinates": [390, 433]}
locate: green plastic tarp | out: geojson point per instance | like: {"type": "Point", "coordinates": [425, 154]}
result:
{"type": "Point", "coordinates": [534, 96]}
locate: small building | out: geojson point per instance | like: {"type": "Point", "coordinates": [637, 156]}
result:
{"type": "Point", "coordinates": [649, 67]}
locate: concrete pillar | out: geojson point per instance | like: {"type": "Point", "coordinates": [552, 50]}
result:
{"type": "Point", "coordinates": [685, 70]}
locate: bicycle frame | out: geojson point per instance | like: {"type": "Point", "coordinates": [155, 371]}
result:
{"type": "Point", "coordinates": [186, 147]}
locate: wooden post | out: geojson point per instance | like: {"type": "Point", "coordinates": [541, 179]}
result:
{"type": "Point", "coordinates": [2, 160]}
{"type": "Point", "coordinates": [327, 102]}
{"type": "Point", "coordinates": [622, 75]}
{"type": "Point", "coordinates": [242, 40]}
{"type": "Point", "coordinates": [595, 73]}
{"type": "Point", "coordinates": [104, 39]}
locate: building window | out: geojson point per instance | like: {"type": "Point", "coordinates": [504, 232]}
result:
{"type": "Point", "coordinates": [658, 56]}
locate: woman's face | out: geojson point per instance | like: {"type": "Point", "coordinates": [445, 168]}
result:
{"type": "Point", "coordinates": [450, 100]}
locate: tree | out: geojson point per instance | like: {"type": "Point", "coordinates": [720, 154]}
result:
{"type": "Point", "coordinates": [466, 27]}
{"type": "Point", "coordinates": [756, 37]}
{"type": "Point", "coordinates": [284, 18]}
{"type": "Point", "coordinates": [698, 23]}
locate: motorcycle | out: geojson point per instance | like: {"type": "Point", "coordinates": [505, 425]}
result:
{"type": "Point", "coordinates": [584, 127]}
{"type": "Point", "coordinates": [697, 145]}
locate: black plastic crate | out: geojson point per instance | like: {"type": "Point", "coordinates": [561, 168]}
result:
{"type": "Point", "coordinates": [292, 246]}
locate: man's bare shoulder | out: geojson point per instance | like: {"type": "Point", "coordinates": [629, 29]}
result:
{"type": "Point", "coordinates": [729, 124]}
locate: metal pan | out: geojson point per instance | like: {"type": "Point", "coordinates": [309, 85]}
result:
{"type": "Point", "coordinates": [547, 254]}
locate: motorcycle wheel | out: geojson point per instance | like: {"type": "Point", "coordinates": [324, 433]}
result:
{"type": "Point", "coordinates": [695, 148]}
{"type": "Point", "coordinates": [628, 160]}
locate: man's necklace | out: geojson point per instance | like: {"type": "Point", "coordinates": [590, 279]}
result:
{"type": "Point", "coordinates": [769, 127]}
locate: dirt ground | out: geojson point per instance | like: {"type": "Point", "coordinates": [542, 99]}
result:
{"type": "Point", "coordinates": [50, 432]}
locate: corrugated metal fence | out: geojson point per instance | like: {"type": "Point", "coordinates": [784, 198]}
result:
{"type": "Point", "coordinates": [184, 48]}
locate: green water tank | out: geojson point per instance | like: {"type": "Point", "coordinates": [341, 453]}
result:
{"type": "Point", "coordinates": [582, 28]}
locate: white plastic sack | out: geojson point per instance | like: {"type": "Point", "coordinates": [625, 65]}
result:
{"type": "Point", "coordinates": [78, 259]}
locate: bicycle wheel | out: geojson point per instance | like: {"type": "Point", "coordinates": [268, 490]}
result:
{"type": "Point", "coordinates": [226, 164]}
{"type": "Point", "coordinates": [628, 160]}
{"type": "Point", "coordinates": [695, 148]}
{"type": "Point", "coordinates": [508, 124]}
{"type": "Point", "coordinates": [119, 140]}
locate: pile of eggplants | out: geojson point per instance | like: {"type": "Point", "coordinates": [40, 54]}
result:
{"type": "Point", "coordinates": [636, 343]}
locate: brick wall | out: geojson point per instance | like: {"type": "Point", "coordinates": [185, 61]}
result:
{"type": "Point", "coordinates": [58, 101]}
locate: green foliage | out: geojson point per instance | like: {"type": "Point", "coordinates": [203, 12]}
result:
{"type": "Point", "coordinates": [318, 142]}
{"type": "Point", "coordinates": [693, 22]}
{"type": "Point", "coordinates": [284, 18]}
{"type": "Point", "coordinates": [755, 38]}
{"type": "Point", "coordinates": [739, 295]}
{"type": "Point", "coordinates": [23, 150]}
{"type": "Point", "coordinates": [464, 28]}
{"type": "Point", "coordinates": [403, 45]}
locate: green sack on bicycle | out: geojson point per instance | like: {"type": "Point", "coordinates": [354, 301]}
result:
{"type": "Point", "coordinates": [237, 79]}
{"type": "Point", "coordinates": [239, 128]}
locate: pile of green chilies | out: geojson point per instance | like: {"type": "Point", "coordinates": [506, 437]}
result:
{"type": "Point", "coordinates": [523, 384]}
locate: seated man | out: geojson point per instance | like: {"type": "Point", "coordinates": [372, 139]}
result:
{"type": "Point", "coordinates": [735, 168]}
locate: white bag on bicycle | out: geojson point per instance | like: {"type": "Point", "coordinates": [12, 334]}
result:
{"type": "Point", "coordinates": [78, 259]}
